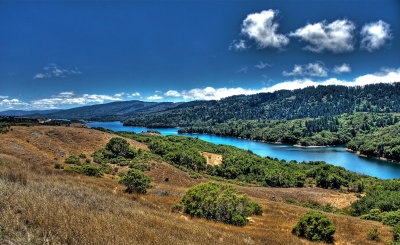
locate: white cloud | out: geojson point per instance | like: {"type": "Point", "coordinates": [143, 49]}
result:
{"type": "Point", "coordinates": [263, 30]}
{"type": "Point", "coordinates": [11, 103]}
{"type": "Point", "coordinates": [310, 69]}
{"type": "Point", "coordinates": [172, 93]}
{"type": "Point", "coordinates": [243, 70]}
{"type": "Point", "coordinates": [70, 98]}
{"type": "Point", "coordinates": [238, 45]}
{"type": "Point", "coordinates": [342, 68]}
{"type": "Point", "coordinates": [3, 97]}
{"type": "Point", "coordinates": [155, 97]}
{"type": "Point", "coordinates": [375, 35]}
{"type": "Point", "coordinates": [384, 76]}
{"type": "Point", "coordinates": [53, 70]}
{"type": "Point", "coordinates": [210, 93]}
{"type": "Point", "coordinates": [136, 94]}
{"type": "Point", "coordinates": [336, 36]}
{"type": "Point", "coordinates": [262, 65]}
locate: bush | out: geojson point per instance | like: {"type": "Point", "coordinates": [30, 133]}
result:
{"type": "Point", "coordinates": [87, 169]}
{"type": "Point", "coordinates": [82, 156]}
{"type": "Point", "coordinates": [373, 234]}
{"type": "Point", "coordinates": [72, 159]}
{"type": "Point", "coordinates": [220, 202]}
{"type": "Point", "coordinates": [118, 147]}
{"type": "Point", "coordinates": [396, 233]}
{"type": "Point", "coordinates": [391, 218]}
{"type": "Point", "coordinates": [58, 166]}
{"type": "Point", "coordinates": [315, 226]}
{"type": "Point", "coordinates": [135, 181]}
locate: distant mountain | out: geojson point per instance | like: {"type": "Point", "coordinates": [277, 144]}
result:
{"type": "Point", "coordinates": [21, 113]}
{"type": "Point", "coordinates": [113, 110]}
{"type": "Point", "coordinates": [310, 102]}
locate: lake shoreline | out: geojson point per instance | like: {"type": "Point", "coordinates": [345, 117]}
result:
{"type": "Point", "coordinates": [335, 155]}
{"type": "Point", "coordinates": [374, 157]}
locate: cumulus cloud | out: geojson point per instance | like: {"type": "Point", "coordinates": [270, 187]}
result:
{"type": "Point", "coordinates": [262, 28]}
{"type": "Point", "coordinates": [336, 36]}
{"type": "Point", "coordinates": [310, 69]}
{"type": "Point", "coordinates": [172, 93]}
{"type": "Point", "coordinates": [53, 70]}
{"type": "Point", "coordinates": [238, 45]}
{"type": "Point", "coordinates": [10, 103]}
{"type": "Point", "coordinates": [70, 98]}
{"type": "Point", "coordinates": [155, 97]}
{"type": "Point", "coordinates": [261, 65]}
{"type": "Point", "coordinates": [342, 68]}
{"type": "Point", "coordinates": [375, 35]}
{"type": "Point", "coordinates": [210, 93]}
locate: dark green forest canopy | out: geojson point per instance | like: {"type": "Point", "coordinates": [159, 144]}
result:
{"type": "Point", "coordinates": [309, 102]}
{"type": "Point", "coordinates": [372, 134]}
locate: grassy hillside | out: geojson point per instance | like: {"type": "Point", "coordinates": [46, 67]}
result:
{"type": "Point", "coordinates": [41, 204]}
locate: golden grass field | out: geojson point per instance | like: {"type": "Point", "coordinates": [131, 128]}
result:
{"type": "Point", "coordinates": [43, 205]}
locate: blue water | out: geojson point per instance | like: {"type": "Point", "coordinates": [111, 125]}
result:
{"type": "Point", "coordinates": [334, 155]}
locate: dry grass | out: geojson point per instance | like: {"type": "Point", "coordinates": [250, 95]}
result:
{"type": "Point", "coordinates": [212, 158]}
{"type": "Point", "coordinates": [42, 205]}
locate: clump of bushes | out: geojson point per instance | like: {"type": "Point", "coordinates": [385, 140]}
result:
{"type": "Point", "coordinates": [315, 226]}
{"type": "Point", "coordinates": [118, 151]}
{"type": "Point", "coordinates": [220, 202]}
{"type": "Point", "coordinates": [88, 169]}
{"type": "Point", "coordinates": [396, 233]}
{"type": "Point", "coordinates": [135, 181]}
{"type": "Point", "coordinates": [373, 234]}
{"type": "Point", "coordinates": [72, 159]}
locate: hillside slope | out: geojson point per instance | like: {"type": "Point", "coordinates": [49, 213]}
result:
{"type": "Point", "coordinates": [309, 102]}
{"type": "Point", "coordinates": [112, 110]}
{"type": "Point", "coordinates": [46, 205]}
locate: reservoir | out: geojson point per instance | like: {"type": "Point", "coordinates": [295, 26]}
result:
{"type": "Point", "coordinates": [334, 155]}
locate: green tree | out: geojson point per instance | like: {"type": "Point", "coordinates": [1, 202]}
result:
{"type": "Point", "coordinates": [315, 226]}
{"type": "Point", "coordinates": [135, 181]}
{"type": "Point", "coordinates": [118, 147]}
{"type": "Point", "coordinates": [220, 202]}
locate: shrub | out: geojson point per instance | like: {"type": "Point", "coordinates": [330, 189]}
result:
{"type": "Point", "coordinates": [118, 147]}
{"type": "Point", "coordinates": [373, 234]}
{"type": "Point", "coordinates": [72, 159]}
{"type": "Point", "coordinates": [58, 166]}
{"type": "Point", "coordinates": [396, 233]}
{"type": "Point", "coordinates": [373, 214]}
{"type": "Point", "coordinates": [82, 156]}
{"type": "Point", "coordinates": [315, 226]}
{"type": "Point", "coordinates": [135, 181]}
{"type": "Point", "coordinates": [88, 169]}
{"type": "Point", "coordinates": [92, 170]}
{"type": "Point", "coordinates": [220, 202]}
{"type": "Point", "coordinates": [391, 218]}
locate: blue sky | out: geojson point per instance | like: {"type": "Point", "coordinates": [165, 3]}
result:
{"type": "Point", "coordinates": [64, 54]}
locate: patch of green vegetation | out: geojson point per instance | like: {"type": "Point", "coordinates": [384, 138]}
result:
{"type": "Point", "coordinates": [373, 234]}
{"type": "Point", "coordinates": [220, 202]}
{"type": "Point", "coordinates": [135, 181]}
{"type": "Point", "coordinates": [118, 151]}
{"type": "Point", "coordinates": [315, 226]}
{"type": "Point", "coordinates": [72, 159]}
{"type": "Point", "coordinates": [88, 169]}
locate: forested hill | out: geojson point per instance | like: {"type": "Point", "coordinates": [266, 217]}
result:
{"type": "Point", "coordinates": [113, 110]}
{"type": "Point", "coordinates": [310, 102]}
